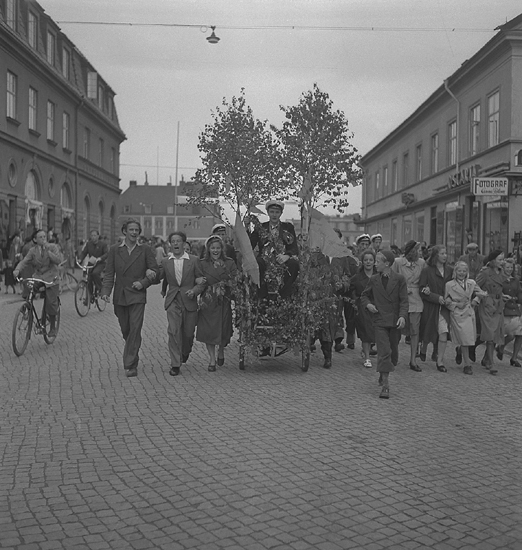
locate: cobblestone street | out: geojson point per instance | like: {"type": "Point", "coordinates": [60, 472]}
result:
{"type": "Point", "coordinates": [266, 458]}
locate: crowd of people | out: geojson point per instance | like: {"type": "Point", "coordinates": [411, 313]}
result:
{"type": "Point", "coordinates": [382, 294]}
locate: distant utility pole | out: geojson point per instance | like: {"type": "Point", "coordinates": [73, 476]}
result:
{"type": "Point", "coordinates": [176, 183]}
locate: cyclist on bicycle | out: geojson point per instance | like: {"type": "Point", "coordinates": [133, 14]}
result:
{"type": "Point", "coordinates": [44, 258]}
{"type": "Point", "coordinates": [97, 252]}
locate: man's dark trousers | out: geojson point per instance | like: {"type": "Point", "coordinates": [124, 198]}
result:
{"type": "Point", "coordinates": [387, 342]}
{"type": "Point", "coordinates": [131, 321]}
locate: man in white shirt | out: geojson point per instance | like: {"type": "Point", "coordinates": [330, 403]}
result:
{"type": "Point", "coordinates": [181, 271]}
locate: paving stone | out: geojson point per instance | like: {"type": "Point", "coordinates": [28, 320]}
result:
{"type": "Point", "coordinates": [266, 458]}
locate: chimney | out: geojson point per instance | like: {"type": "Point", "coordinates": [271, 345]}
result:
{"type": "Point", "coordinates": [133, 183]}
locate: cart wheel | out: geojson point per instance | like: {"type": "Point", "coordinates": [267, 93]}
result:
{"type": "Point", "coordinates": [305, 360]}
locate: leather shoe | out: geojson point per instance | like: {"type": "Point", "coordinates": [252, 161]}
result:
{"type": "Point", "coordinates": [129, 373]}
{"type": "Point", "coordinates": [442, 368]}
{"type": "Point", "coordinates": [458, 356]}
{"type": "Point", "coordinates": [212, 368]}
{"type": "Point", "coordinates": [514, 363]}
{"type": "Point", "coordinates": [174, 371]}
{"type": "Point", "coordinates": [221, 361]}
{"type": "Point", "coordinates": [468, 370]}
{"type": "Point", "coordinates": [351, 346]}
{"type": "Point", "coordinates": [52, 333]}
{"type": "Point", "coordinates": [385, 393]}
{"type": "Point", "coordinates": [327, 364]}
{"type": "Point", "coordinates": [184, 358]}
{"type": "Point", "coordinates": [500, 352]}
{"type": "Point", "coordinates": [422, 356]}
{"type": "Point", "coordinates": [415, 367]}
{"type": "Point", "coordinates": [472, 354]}
{"type": "Point", "coordinates": [339, 347]}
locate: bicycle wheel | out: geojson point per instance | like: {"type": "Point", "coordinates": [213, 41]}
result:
{"type": "Point", "coordinates": [82, 299]}
{"type": "Point", "coordinates": [69, 281]}
{"type": "Point", "coordinates": [50, 339]}
{"type": "Point", "coordinates": [100, 304]}
{"type": "Point", "coordinates": [22, 326]}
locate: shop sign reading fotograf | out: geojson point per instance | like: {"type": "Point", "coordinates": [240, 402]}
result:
{"type": "Point", "coordinates": [489, 186]}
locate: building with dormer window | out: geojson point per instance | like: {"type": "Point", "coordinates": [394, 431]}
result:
{"type": "Point", "coordinates": [451, 173]}
{"type": "Point", "coordinates": [59, 132]}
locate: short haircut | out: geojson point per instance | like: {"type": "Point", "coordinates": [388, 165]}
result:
{"type": "Point", "coordinates": [460, 263]}
{"type": "Point", "coordinates": [128, 222]}
{"type": "Point", "coordinates": [180, 233]}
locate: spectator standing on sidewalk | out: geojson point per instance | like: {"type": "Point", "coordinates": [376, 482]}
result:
{"type": "Point", "coordinates": [410, 266]}
{"type": "Point", "coordinates": [386, 298]}
{"type": "Point", "coordinates": [129, 270]}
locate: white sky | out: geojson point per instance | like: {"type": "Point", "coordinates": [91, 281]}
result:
{"type": "Point", "coordinates": [163, 75]}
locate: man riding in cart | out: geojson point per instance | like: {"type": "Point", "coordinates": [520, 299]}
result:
{"type": "Point", "coordinates": [277, 245]}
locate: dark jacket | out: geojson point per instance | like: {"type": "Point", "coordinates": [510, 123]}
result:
{"type": "Point", "coordinates": [391, 302]}
{"type": "Point", "coordinates": [98, 250]}
{"type": "Point", "coordinates": [431, 277]}
{"type": "Point", "coordinates": [123, 269]}
{"type": "Point", "coordinates": [513, 288]}
{"type": "Point", "coordinates": [262, 238]}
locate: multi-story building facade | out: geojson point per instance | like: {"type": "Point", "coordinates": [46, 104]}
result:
{"type": "Point", "coordinates": [350, 225]}
{"type": "Point", "coordinates": [59, 131]}
{"type": "Point", "coordinates": [451, 173]}
{"type": "Point", "coordinates": [162, 209]}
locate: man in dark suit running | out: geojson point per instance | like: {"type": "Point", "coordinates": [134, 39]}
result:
{"type": "Point", "coordinates": [130, 269]}
{"type": "Point", "coordinates": [386, 297]}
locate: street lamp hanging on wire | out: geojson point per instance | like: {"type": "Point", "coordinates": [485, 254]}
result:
{"type": "Point", "coordinates": [213, 39]}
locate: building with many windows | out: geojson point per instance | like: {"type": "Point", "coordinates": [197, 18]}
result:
{"type": "Point", "coordinates": [162, 209]}
{"type": "Point", "coordinates": [451, 173]}
{"type": "Point", "coordinates": [59, 131]}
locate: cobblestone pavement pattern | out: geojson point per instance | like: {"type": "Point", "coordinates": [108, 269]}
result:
{"type": "Point", "coordinates": [269, 458]}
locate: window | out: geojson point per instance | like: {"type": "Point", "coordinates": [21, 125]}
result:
{"type": "Point", "coordinates": [51, 48]}
{"type": "Point", "coordinates": [12, 85]}
{"type": "Point", "coordinates": [86, 143]}
{"type": "Point", "coordinates": [33, 109]}
{"type": "Point", "coordinates": [418, 162]}
{"type": "Point", "coordinates": [406, 170]}
{"type": "Point", "coordinates": [493, 119]}
{"type": "Point", "coordinates": [147, 208]}
{"type": "Point", "coordinates": [50, 120]}
{"type": "Point", "coordinates": [395, 177]}
{"type": "Point", "coordinates": [92, 84]}
{"type": "Point", "coordinates": [474, 130]}
{"type": "Point", "coordinates": [113, 161]}
{"type": "Point", "coordinates": [394, 234]}
{"type": "Point", "coordinates": [378, 190]}
{"type": "Point", "coordinates": [10, 13]}
{"type": "Point", "coordinates": [126, 209]}
{"type": "Point", "coordinates": [32, 30]}
{"type": "Point", "coordinates": [66, 63]}
{"type": "Point", "coordinates": [370, 191]}
{"type": "Point", "coordinates": [100, 97]}
{"type": "Point", "coordinates": [452, 142]}
{"type": "Point", "coordinates": [434, 153]}
{"type": "Point", "coordinates": [385, 189]}
{"type": "Point", "coordinates": [101, 146]}
{"type": "Point", "coordinates": [170, 210]}
{"type": "Point", "coordinates": [66, 130]}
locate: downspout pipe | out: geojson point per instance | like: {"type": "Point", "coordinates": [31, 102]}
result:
{"type": "Point", "coordinates": [457, 149]}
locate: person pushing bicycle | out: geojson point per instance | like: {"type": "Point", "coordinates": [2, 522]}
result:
{"type": "Point", "coordinates": [45, 258]}
{"type": "Point", "coordinates": [97, 252]}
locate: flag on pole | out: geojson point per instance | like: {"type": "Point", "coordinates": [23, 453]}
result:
{"type": "Point", "coordinates": [250, 266]}
{"type": "Point", "coordinates": [322, 236]}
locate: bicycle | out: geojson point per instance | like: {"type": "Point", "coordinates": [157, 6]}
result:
{"type": "Point", "coordinates": [83, 297]}
{"type": "Point", "coordinates": [67, 280]}
{"type": "Point", "coordinates": [26, 319]}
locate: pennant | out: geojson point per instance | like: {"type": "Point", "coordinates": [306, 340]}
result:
{"type": "Point", "coordinates": [323, 237]}
{"type": "Point", "coordinates": [249, 261]}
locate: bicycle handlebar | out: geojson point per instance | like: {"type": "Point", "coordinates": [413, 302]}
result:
{"type": "Point", "coordinates": [86, 267]}
{"type": "Point", "coordinates": [33, 280]}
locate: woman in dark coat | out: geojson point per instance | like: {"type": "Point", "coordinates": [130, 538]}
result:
{"type": "Point", "coordinates": [215, 311]}
{"type": "Point", "coordinates": [434, 325]}
{"type": "Point", "coordinates": [491, 308]}
{"type": "Point", "coordinates": [363, 318]}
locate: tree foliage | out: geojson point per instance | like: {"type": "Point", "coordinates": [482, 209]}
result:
{"type": "Point", "coordinates": [238, 153]}
{"type": "Point", "coordinates": [315, 145]}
